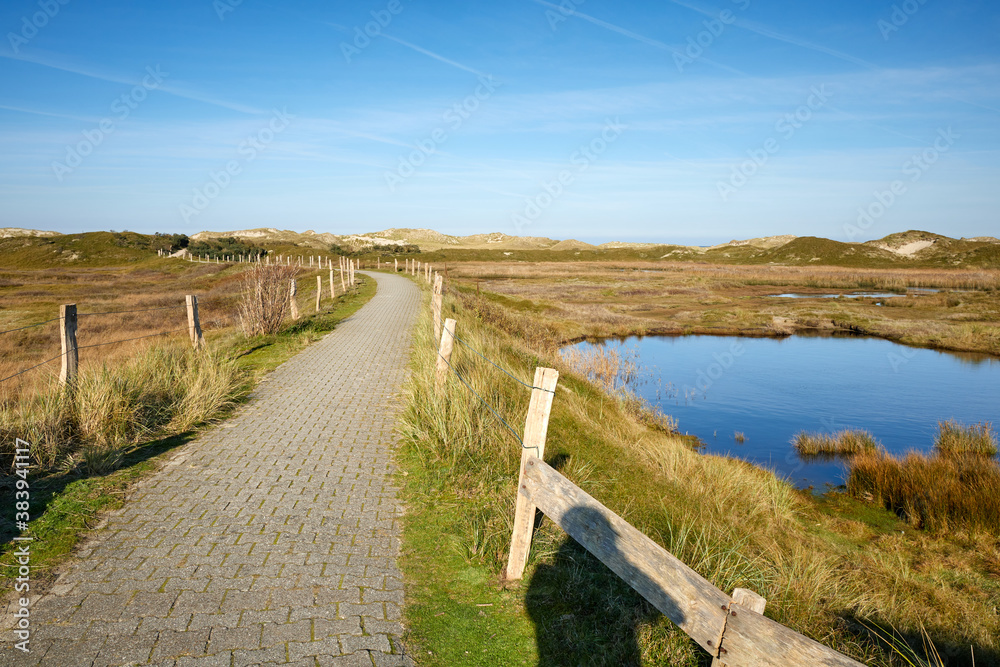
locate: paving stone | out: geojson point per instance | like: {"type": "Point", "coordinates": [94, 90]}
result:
{"type": "Point", "coordinates": [265, 528]}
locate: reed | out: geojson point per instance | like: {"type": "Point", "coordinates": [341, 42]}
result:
{"type": "Point", "coordinates": [956, 439]}
{"type": "Point", "coordinates": [736, 524]}
{"type": "Point", "coordinates": [937, 492]}
{"type": "Point", "coordinates": [842, 443]}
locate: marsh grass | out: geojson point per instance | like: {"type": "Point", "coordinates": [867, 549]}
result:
{"type": "Point", "coordinates": [734, 523]}
{"type": "Point", "coordinates": [955, 439]}
{"type": "Point", "coordinates": [936, 492]}
{"type": "Point", "coordinates": [842, 443]}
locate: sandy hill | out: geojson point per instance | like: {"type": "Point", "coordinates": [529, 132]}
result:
{"type": "Point", "coordinates": [11, 232]}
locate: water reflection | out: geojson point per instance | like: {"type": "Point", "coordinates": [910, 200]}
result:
{"type": "Point", "coordinates": [769, 389]}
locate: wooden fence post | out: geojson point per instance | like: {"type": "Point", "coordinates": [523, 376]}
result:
{"type": "Point", "coordinates": [444, 355]}
{"type": "Point", "coordinates": [70, 353]}
{"type": "Point", "coordinates": [536, 427]}
{"type": "Point", "coordinates": [291, 301]}
{"type": "Point", "coordinates": [319, 291]}
{"type": "Point", "coordinates": [194, 323]}
{"type": "Point", "coordinates": [748, 599]}
{"type": "Point", "coordinates": [436, 299]}
{"type": "Point", "coordinates": [395, 265]}
{"type": "Point", "coordinates": [333, 290]}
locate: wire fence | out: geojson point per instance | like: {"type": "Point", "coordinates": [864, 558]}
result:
{"type": "Point", "coordinates": [11, 377]}
{"type": "Point", "coordinates": [92, 345]}
{"type": "Point", "coordinates": [482, 400]}
{"type": "Point", "coordinates": [123, 312]}
{"type": "Point", "coordinates": [29, 326]}
{"type": "Point", "coordinates": [501, 368]}
{"type": "Point", "coordinates": [496, 414]}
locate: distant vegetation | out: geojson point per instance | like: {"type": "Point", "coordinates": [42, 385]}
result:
{"type": "Point", "coordinates": [158, 241]}
{"type": "Point", "coordinates": [225, 246]}
{"type": "Point", "coordinates": [368, 249]}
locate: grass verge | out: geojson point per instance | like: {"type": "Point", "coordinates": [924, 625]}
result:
{"type": "Point", "coordinates": [114, 431]}
{"type": "Point", "coordinates": [830, 568]}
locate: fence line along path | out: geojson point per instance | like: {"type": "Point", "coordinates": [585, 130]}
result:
{"type": "Point", "coordinates": [271, 538]}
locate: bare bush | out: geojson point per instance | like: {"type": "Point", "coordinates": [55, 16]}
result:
{"type": "Point", "coordinates": [264, 299]}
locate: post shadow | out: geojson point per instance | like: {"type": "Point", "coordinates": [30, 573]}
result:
{"type": "Point", "coordinates": [584, 613]}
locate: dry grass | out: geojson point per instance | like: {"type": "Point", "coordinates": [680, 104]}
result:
{"type": "Point", "coordinates": [842, 443]}
{"type": "Point", "coordinates": [734, 523]}
{"type": "Point", "coordinates": [113, 407]}
{"type": "Point", "coordinates": [954, 439]}
{"type": "Point", "coordinates": [600, 299]}
{"type": "Point", "coordinates": [113, 304]}
{"type": "Point", "coordinates": [616, 370]}
{"type": "Point", "coordinates": [936, 492]}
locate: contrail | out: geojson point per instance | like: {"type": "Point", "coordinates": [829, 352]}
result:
{"type": "Point", "coordinates": [773, 34]}
{"type": "Point", "coordinates": [434, 55]}
{"type": "Point", "coordinates": [639, 38]}
{"type": "Point", "coordinates": [169, 89]}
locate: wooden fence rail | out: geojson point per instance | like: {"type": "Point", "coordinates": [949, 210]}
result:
{"type": "Point", "coordinates": [732, 632]}
{"type": "Point", "coordinates": [732, 629]}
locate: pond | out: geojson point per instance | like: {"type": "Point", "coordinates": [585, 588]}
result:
{"type": "Point", "coordinates": [769, 389]}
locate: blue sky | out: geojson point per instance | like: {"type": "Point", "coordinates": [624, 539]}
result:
{"type": "Point", "coordinates": [684, 121]}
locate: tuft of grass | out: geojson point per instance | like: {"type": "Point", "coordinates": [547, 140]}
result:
{"type": "Point", "coordinates": [89, 445]}
{"type": "Point", "coordinates": [111, 409]}
{"type": "Point", "coordinates": [842, 443]}
{"type": "Point", "coordinates": [955, 439]}
{"type": "Point", "coordinates": [936, 492]}
{"type": "Point", "coordinates": [740, 437]}
{"type": "Point", "coordinates": [736, 524]}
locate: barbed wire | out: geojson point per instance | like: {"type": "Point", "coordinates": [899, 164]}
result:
{"type": "Point", "coordinates": [30, 326]}
{"type": "Point", "coordinates": [11, 377]}
{"type": "Point", "coordinates": [483, 400]}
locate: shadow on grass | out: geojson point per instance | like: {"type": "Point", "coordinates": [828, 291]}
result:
{"type": "Point", "coordinates": [954, 651]}
{"type": "Point", "coordinates": [586, 614]}
{"type": "Point", "coordinates": [583, 613]}
{"type": "Point", "coordinates": [50, 487]}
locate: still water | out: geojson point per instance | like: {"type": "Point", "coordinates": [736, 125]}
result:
{"type": "Point", "coordinates": [769, 389]}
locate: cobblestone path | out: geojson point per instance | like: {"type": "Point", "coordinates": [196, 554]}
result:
{"type": "Point", "coordinates": [270, 539]}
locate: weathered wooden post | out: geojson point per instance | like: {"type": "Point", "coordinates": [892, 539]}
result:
{"type": "Point", "coordinates": [395, 265]}
{"type": "Point", "coordinates": [291, 301]}
{"type": "Point", "coordinates": [746, 598]}
{"type": "Point", "coordinates": [70, 353]}
{"type": "Point", "coordinates": [333, 290]}
{"type": "Point", "coordinates": [436, 299]}
{"type": "Point", "coordinates": [319, 291]}
{"type": "Point", "coordinates": [536, 427]}
{"type": "Point", "coordinates": [194, 323]}
{"type": "Point", "coordinates": [444, 355]}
